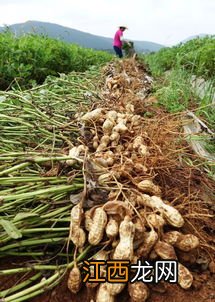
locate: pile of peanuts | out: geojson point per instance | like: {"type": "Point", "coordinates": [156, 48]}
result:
{"type": "Point", "coordinates": [134, 222]}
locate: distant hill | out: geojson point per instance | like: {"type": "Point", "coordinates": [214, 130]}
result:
{"type": "Point", "coordinates": [76, 36]}
{"type": "Point", "coordinates": [194, 37]}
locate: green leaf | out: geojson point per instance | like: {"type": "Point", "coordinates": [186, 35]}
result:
{"type": "Point", "coordinates": [10, 229]}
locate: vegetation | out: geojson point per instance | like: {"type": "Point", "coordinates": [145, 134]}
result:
{"type": "Point", "coordinates": [71, 35]}
{"type": "Point", "coordinates": [196, 56]}
{"type": "Point", "coordinates": [31, 58]}
{"type": "Point", "coordinates": [174, 69]}
{"type": "Point", "coordinates": [37, 129]}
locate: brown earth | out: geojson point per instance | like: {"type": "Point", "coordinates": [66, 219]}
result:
{"type": "Point", "coordinates": [202, 290]}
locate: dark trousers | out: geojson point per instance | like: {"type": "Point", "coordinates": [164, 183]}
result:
{"type": "Point", "coordinates": [118, 51]}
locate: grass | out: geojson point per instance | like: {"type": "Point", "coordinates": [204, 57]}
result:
{"type": "Point", "coordinates": [174, 69]}
{"type": "Point", "coordinates": [176, 94]}
{"type": "Point", "coordinates": [173, 91]}
{"type": "Point", "coordinates": [196, 56]}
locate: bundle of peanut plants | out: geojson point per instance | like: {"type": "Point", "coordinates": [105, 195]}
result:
{"type": "Point", "coordinates": [37, 129]}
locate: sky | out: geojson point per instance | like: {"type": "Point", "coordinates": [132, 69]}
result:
{"type": "Point", "coordinates": [163, 21]}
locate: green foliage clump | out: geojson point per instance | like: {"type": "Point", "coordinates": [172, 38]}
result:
{"type": "Point", "coordinates": [174, 69]}
{"type": "Point", "coordinates": [31, 58]}
{"type": "Point", "coordinates": [174, 92]}
{"type": "Point", "coordinates": [196, 56]}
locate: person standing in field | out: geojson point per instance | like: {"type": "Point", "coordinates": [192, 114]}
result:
{"type": "Point", "coordinates": [118, 41]}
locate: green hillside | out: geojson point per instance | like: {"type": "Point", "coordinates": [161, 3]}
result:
{"type": "Point", "coordinates": [76, 36]}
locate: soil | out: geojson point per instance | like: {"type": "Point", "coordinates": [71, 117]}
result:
{"type": "Point", "coordinates": [202, 290]}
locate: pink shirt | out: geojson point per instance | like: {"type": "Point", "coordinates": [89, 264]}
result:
{"type": "Point", "coordinates": [117, 42]}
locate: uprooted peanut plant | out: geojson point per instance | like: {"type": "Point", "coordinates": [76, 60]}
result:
{"type": "Point", "coordinates": [140, 201]}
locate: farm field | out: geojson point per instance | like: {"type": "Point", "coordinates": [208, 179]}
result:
{"type": "Point", "coordinates": [95, 163]}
